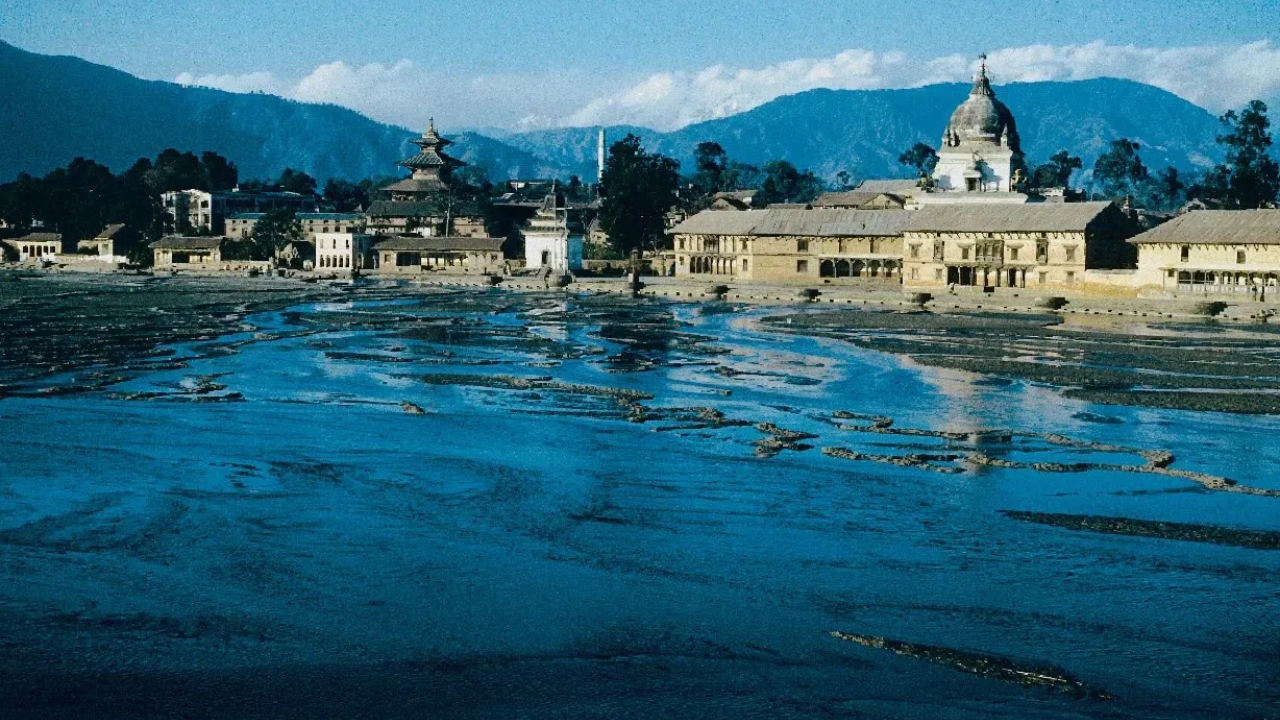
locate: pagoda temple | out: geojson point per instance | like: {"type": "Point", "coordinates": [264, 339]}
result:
{"type": "Point", "coordinates": [431, 168]}
{"type": "Point", "coordinates": [418, 205]}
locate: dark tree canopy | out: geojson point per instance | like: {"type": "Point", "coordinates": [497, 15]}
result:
{"type": "Point", "coordinates": [711, 168]}
{"type": "Point", "coordinates": [273, 232]}
{"type": "Point", "coordinates": [1056, 173]}
{"type": "Point", "coordinates": [921, 157]}
{"type": "Point", "coordinates": [346, 196]}
{"type": "Point", "coordinates": [1119, 171]}
{"type": "Point", "coordinates": [638, 189]}
{"type": "Point", "coordinates": [1250, 178]}
{"type": "Point", "coordinates": [783, 183]}
{"type": "Point", "coordinates": [296, 181]}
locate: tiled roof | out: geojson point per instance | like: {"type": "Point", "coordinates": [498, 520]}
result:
{"type": "Point", "coordinates": [893, 187]}
{"type": "Point", "coordinates": [110, 232]}
{"type": "Point", "coordinates": [977, 218]}
{"type": "Point", "coordinates": [418, 244]}
{"type": "Point", "coordinates": [38, 237]}
{"type": "Point", "coordinates": [390, 209]}
{"type": "Point", "coordinates": [1217, 227]}
{"type": "Point", "coordinates": [187, 243]}
{"type": "Point", "coordinates": [825, 222]}
{"type": "Point", "coordinates": [833, 222]}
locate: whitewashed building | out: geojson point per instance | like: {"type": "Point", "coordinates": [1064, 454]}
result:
{"type": "Point", "coordinates": [548, 242]}
{"type": "Point", "coordinates": [344, 252]}
{"type": "Point", "coordinates": [981, 157]}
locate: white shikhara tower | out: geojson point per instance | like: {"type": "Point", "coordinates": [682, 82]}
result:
{"type": "Point", "coordinates": [981, 151]}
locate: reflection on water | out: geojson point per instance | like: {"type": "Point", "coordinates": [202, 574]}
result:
{"type": "Point", "coordinates": [580, 523]}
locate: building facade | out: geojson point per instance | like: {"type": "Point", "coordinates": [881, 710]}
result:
{"type": "Point", "coordinates": [548, 242]}
{"type": "Point", "coordinates": [421, 204]}
{"type": "Point", "coordinates": [343, 251]}
{"type": "Point", "coordinates": [792, 246]}
{"type": "Point", "coordinates": [1021, 246]}
{"type": "Point", "coordinates": [36, 246]}
{"type": "Point", "coordinates": [415, 255]}
{"type": "Point", "coordinates": [241, 225]}
{"type": "Point", "coordinates": [1218, 252]}
{"type": "Point", "coordinates": [187, 253]}
{"type": "Point", "coordinates": [208, 211]}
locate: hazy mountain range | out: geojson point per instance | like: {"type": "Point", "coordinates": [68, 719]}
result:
{"type": "Point", "coordinates": [53, 109]}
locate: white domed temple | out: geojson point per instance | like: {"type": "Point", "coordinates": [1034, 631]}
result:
{"type": "Point", "coordinates": [980, 158]}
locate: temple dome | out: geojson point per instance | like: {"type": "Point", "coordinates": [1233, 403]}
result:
{"type": "Point", "coordinates": [982, 118]}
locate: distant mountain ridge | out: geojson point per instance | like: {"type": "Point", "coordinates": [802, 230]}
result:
{"type": "Point", "coordinates": [53, 109]}
{"type": "Point", "coordinates": [863, 131]}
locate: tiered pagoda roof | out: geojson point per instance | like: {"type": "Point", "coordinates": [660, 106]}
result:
{"type": "Point", "coordinates": [431, 166]}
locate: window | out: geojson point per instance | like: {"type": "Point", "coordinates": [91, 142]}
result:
{"type": "Point", "coordinates": [1071, 253]}
{"type": "Point", "coordinates": [1239, 257]}
{"type": "Point", "coordinates": [915, 274]}
{"type": "Point", "coordinates": [1013, 253]}
{"type": "Point", "coordinates": [681, 243]}
{"type": "Point", "coordinates": [1186, 253]}
{"type": "Point", "coordinates": [871, 246]}
{"type": "Point", "coordinates": [937, 274]}
{"type": "Point", "coordinates": [744, 264]}
{"type": "Point", "coordinates": [1071, 278]}
{"type": "Point", "coordinates": [915, 251]}
{"type": "Point", "coordinates": [802, 246]}
{"type": "Point", "coordinates": [964, 253]}
{"type": "Point", "coordinates": [802, 266]}
{"type": "Point", "coordinates": [1042, 251]}
{"type": "Point", "coordinates": [1044, 278]}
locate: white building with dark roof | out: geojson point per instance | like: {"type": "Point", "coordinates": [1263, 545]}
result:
{"type": "Point", "coordinates": [1234, 252]}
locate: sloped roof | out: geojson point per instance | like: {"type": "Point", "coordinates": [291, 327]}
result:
{"type": "Point", "coordinates": [420, 244]}
{"type": "Point", "coordinates": [977, 218]}
{"type": "Point", "coordinates": [720, 222]}
{"type": "Point", "coordinates": [1220, 227]}
{"type": "Point", "coordinates": [388, 208]}
{"type": "Point", "coordinates": [895, 186]}
{"type": "Point", "coordinates": [110, 232]}
{"type": "Point", "coordinates": [418, 186]}
{"type": "Point", "coordinates": [37, 237]}
{"type": "Point", "coordinates": [818, 222]}
{"type": "Point", "coordinates": [833, 222]}
{"type": "Point", "coordinates": [187, 243]}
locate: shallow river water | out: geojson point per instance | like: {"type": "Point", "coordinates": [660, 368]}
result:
{"type": "Point", "coordinates": [370, 528]}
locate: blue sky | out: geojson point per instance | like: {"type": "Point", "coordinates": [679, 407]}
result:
{"type": "Point", "coordinates": [552, 62]}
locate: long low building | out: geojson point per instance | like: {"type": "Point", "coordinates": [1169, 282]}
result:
{"type": "Point", "coordinates": [35, 246]}
{"type": "Point", "coordinates": [1212, 252]}
{"type": "Point", "coordinates": [413, 255]}
{"type": "Point", "coordinates": [178, 253]}
{"type": "Point", "coordinates": [792, 245]}
{"type": "Point", "coordinates": [1039, 245]}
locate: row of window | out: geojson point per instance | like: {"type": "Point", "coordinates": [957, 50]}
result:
{"type": "Point", "coordinates": [1186, 255]}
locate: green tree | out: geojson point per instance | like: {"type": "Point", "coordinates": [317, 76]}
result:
{"type": "Point", "coordinates": [1057, 172]}
{"type": "Point", "coordinates": [1165, 191]}
{"type": "Point", "coordinates": [175, 170]}
{"type": "Point", "coordinates": [783, 183]}
{"type": "Point", "coordinates": [638, 189]}
{"type": "Point", "coordinates": [346, 196]}
{"type": "Point", "coordinates": [22, 201]}
{"type": "Point", "coordinates": [711, 168]}
{"type": "Point", "coordinates": [845, 179]}
{"type": "Point", "coordinates": [1119, 171]}
{"type": "Point", "coordinates": [277, 228]}
{"type": "Point", "coordinates": [921, 157]}
{"type": "Point", "coordinates": [1251, 177]}
{"type": "Point", "coordinates": [221, 174]}
{"type": "Point", "coordinates": [296, 181]}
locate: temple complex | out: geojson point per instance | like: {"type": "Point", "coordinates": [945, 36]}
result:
{"type": "Point", "coordinates": [421, 203]}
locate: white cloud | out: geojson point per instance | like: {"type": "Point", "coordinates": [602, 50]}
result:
{"type": "Point", "coordinates": [406, 94]}
{"type": "Point", "coordinates": [1215, 77]}
{"type": "Point", "coordinates": [246, 83]}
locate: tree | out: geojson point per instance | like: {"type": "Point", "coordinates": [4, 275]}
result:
{"type": "Point", "coordinates": [1251, 177]}
{"type": "Point", "coordinates": [221, 174]}
{"type": "Point", "coordinates": [921, 157]}
{"type": "Point", "coordinates": [1165, 190]}
{"type": "Point", "coordinates": [711, 168]}
{"type": "Point", "coordinates": [175, 170]}
{"type": "Point", "coordinates": [1119, 171]}
{"type": "Point", "coordinates": [277, 228]}
{"type": "Point", "coordinates": [845, 179]}
{"type": "Point", "coordinates": [638, 189]}
{"type": "Point", "coordinates": [1057, 172]}
{"type": "Point", "coordinates": [346, 196]}
{"type": "Point", "coordinates": [783, 183]}
{"type": "Point", "coordinates": [296, 181]}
